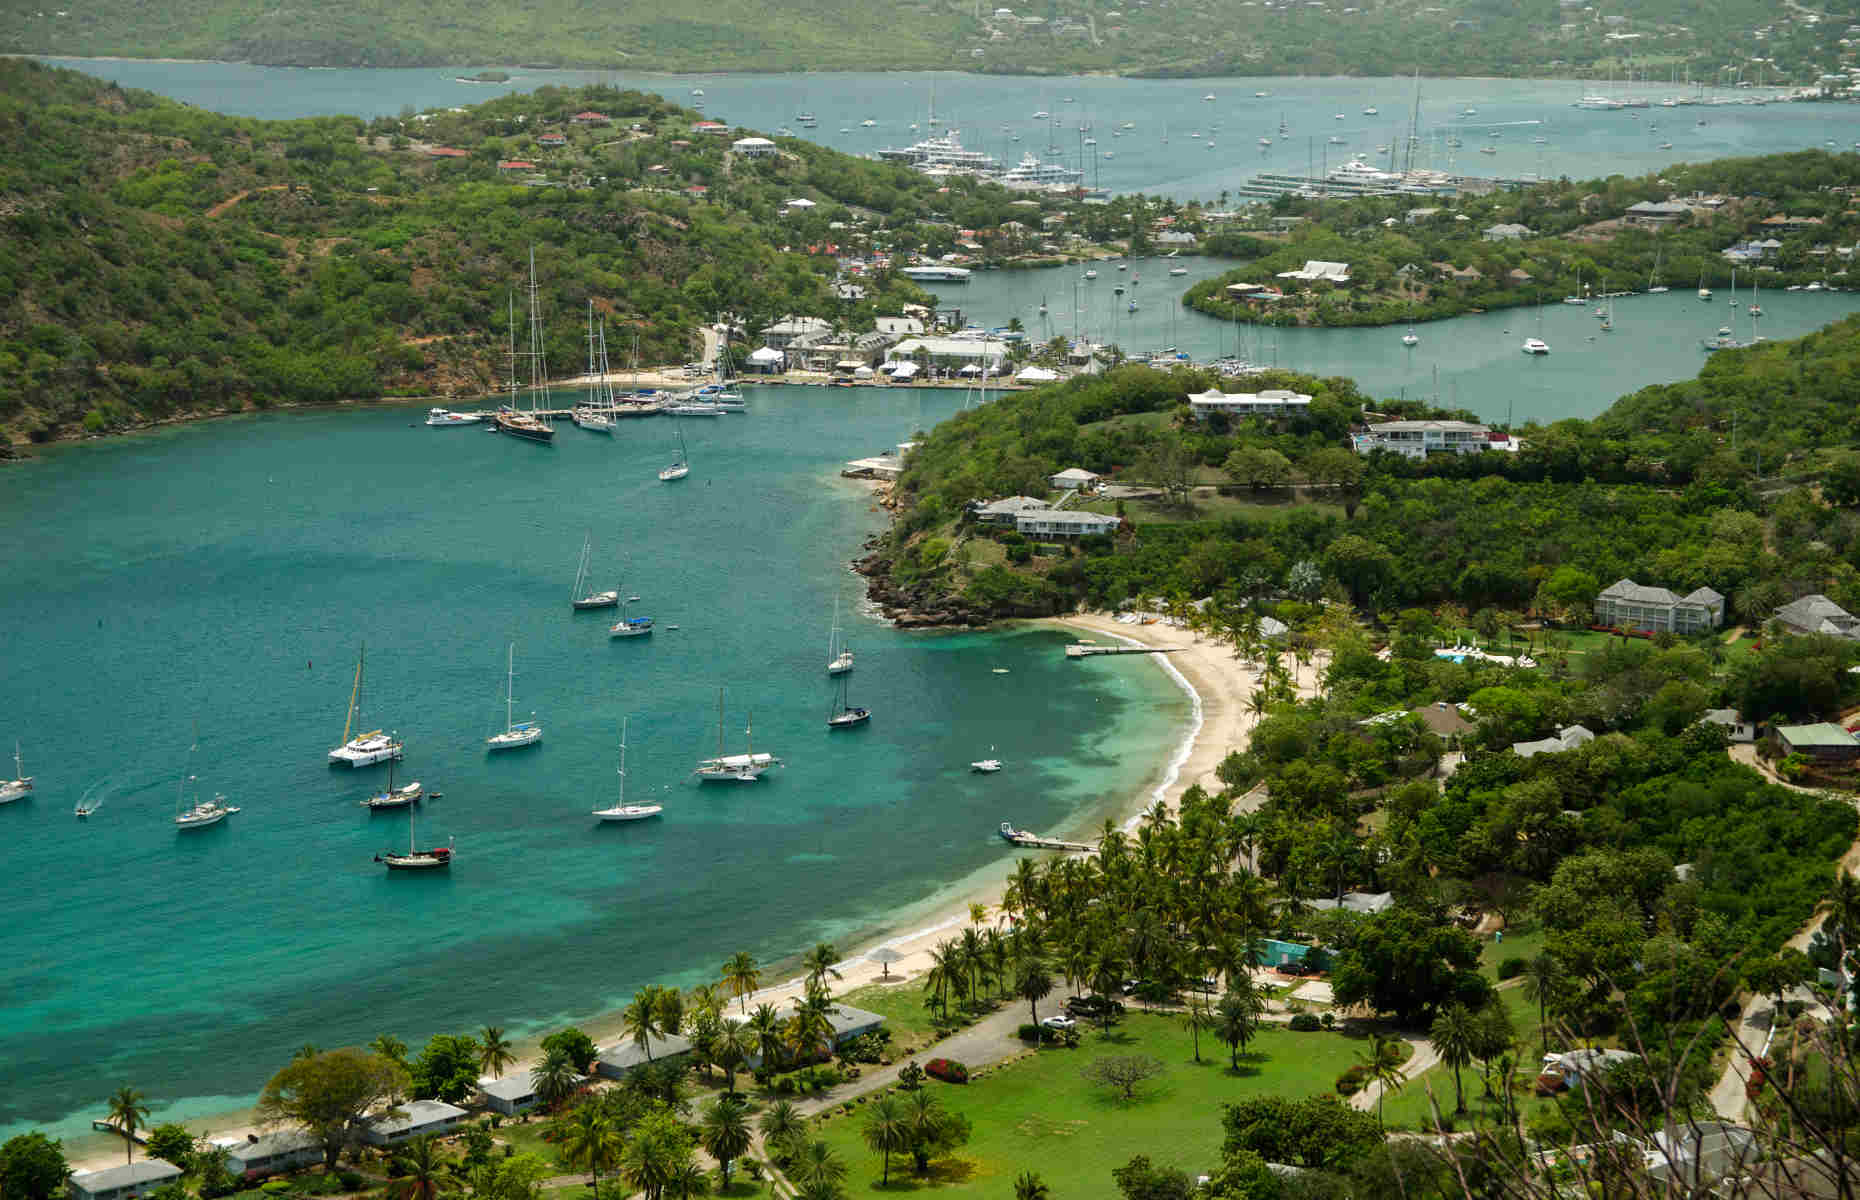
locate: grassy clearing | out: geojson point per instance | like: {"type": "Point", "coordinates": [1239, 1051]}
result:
{"type": "Point", "coordinates": [1210, 505]}
{"type": "Point", "coordinates": [1038, 1113]}
{"type": "Point", "coordinates": [1410, 1108]}
{"type": "Point", "coordinates": [902, 1006]}
{"type": "Point", "coordinates": [528, 1139]}
{"type": "Point", "coordinates": [1526, 945]}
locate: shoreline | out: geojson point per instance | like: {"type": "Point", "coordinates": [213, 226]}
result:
{"type": "Point", "coordinates": [1216, 685]}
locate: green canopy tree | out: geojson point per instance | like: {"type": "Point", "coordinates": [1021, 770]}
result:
{"type": "Point", "coordinates": [33, 1167]}
{"type": "Point", "coordinates": [329, 1094]}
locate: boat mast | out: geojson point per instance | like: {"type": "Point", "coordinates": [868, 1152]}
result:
{"type": "Point", "coordinates": [622, 803]}
{"type": "Point", "coordinates": [539, 367]}
{"type": "Point", "coordinates": [510, 685]}
{"type": "Point", "coordinates": [719, 724]}
{"type": "Point", "coordinates": [355, 696]}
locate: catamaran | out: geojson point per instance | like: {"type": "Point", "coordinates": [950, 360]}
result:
{"type": "Point", "coordinates": [581, 599]}
{"type": "Point", "coordinates": [839, 658]}
{"type": "Point", "coordinates": [517, 734]}
{"type": "Point", "coordinates": [735, 768]}
{"type": "Point", "coordinates": [367, 749]}
{"type": "Point", "coordinates": [622, 811]}
{"type": "Point", "coordinates": [627, 627]}
{"type": "Point", "coordinates": [438, 858]}
{"type": "Point", "coordinates": [21, 785]}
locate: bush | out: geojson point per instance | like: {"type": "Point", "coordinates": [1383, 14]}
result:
{"type": "Point", "coordinates": [1512, 967]}
{"type": "Point", "coordinates": [807, 1079]}
{"type": "Point", "coordinates": [1351, 1081]}
{"type": "Point", "coordinates": [1029, 1032]}
{"type": "Point", "coordinates": [1305, 1023]}
{"type": "Point", "coordinates": [1328, 1020]}
{"type": "Point", "coordinates": [947, 1069]}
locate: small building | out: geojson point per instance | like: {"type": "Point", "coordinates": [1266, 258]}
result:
{"type": "Point", "coordinates": [1063, 523]}
{"type": "Point", "coordinates": [955, 352]}
{"type": "Point", "coordinates": [1444, 720]}
{"type": "Point", "coordinates": [1316, 269]}
{"type": "Point", "coordinates": [1507, 232]}
{"type": "Point", "coordinates": [589, 118]}
{"type": "Point", "coordinates": [1036, 375]}
{"type": "Point", "coordinates": [1825, 741]}
{"type": "Point", "coordinates": [791, 329]}
{"type": "Point", "coordinates": [900, 326]}
{"type": "Point", "coordinates": [754, 147]}
{"type": "Point", "coordinates": [1415, 216]}
{"type": "Point", "coordinates": [1701, 1153]}
{"type": "Point", "coordinates": [1629, 605]}
{"type": "Point", "coordinates": [552, 139]}
{"type": "Point", "coordinates": [1274, 402]}
{"type": "Point", "coordinates": [1004, 512]}
{"type": "Point", "coordinates": [1732, 722]}
{"type": "Point", "coordinates": [1656, 214]}
{"type": "Point", "coordinates": [1366, 903]}
{"type": "Point", "coordinates": [1418, 439]}
{"type": "Point", "coordinates": [623, 1058]}
{"type": "Point", "coordinates": [1569, 1069]}
{"type": "Point", "coordinates": [1074, 479]}
{"type": "Point", "coordinates": [272, 1153]}
{"type": "Point", "coordinates": [418, 1119]}
{"type": "Point", "coordinates": [1175, 237]}
{"type": "Point", "coordinates": [1567, 738]}
{"type": "Point", "coordinates": [1817, 614]}
{"type": "Point", "coordinates": [124, 1182]}
{"type": "Point", "coordinates": [710, 127]}
{"type": "Point", "coordinates": [516, 164]}
{"type": "Point", "coordinates": [513, 1094]}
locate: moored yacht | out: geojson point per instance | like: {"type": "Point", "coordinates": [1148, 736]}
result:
{"type": "Point", "coordinates": [746, 767]}
{"type": "Point", "coordinates": [517, 734]}
{"type": "Point", "coordinates": [20, 785]}
{"type": "Point", "coordinates": [445, 417]}
{"type": "Point", "coordinates": [621, 810]}
{"type": "Point", "coordinates": [364, 749]}
{"type": "Point", "coordinates": [626, 626]}
{"type": "Point", "coordinates": [204, 813]}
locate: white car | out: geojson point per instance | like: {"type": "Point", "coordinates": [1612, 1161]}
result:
{"type": "Point", "coordinates": [1059, 1021]}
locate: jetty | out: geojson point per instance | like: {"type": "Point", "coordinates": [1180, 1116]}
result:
{"type": "Point", "coordinates": [1087, 649]}
{"type": "Point", "coordinates": [1033, 841]}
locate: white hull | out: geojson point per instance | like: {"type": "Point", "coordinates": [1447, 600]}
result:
{"type": "Point", "coordinates": [400, 797]}
{"type": "Point", "coordinates": [841, 665]}
{"type": "Point", "coordinates": [365, 752]}
{"type": "Point", "coordinates": [203, 815]}
{"type": "Point", "coordinates": [671, 473]}
{"type": "Point", "coordinates": [415, 862]}
{"type": "Point", "coordinates": [592, 422]}
{"type": "Point", "coordinates": [440, 418]}
{"type": "Point", "coordinates": [629, 812]}
{"type": "Point", "coordinates": [514, 739]}
{"type": "Point", "coordinates": [13, 789]}
{"type": "Point", "coordinates": [630, 629]}
{"type": "Point", "coordinates": [1534, 346]}
{"type": "Point", "coordinates": [597, 600]}
{"type": "Point", "coordinates": [987, 766]}
{"type": "Point", "coordinates": [728, 774]}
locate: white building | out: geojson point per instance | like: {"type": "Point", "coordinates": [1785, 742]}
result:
{"type": "Point", "coordinates": [1567, 738]}
{"type": "Point", "coordinates": [1063, 523]}
{"type": "Point", "coordinates": [792, 329]}
{"type": "Point", "coordinates": [1818, 614]}
{"type": "Point", "coordinates": [1274, 402]}
{"type": "Point", "coordinates": [513, 1094]}
{"type": "Point", "coordinates": [1316, 269]}
{"type": "Point", "coordinates": [269, 1153]}
{"type": "Point", "coordinates": [900, 326]}
{"type": "Point", "coordinates": [121, 1183]}
{"type": "Point", "coordinates": [1507, 232]}
{"type": "Point", "coordinates": [1418, 439]}
{"type": "Point", "coordinates": [1074, 479]}
{"type": "Point", "coordinates": [1630, 605]}
{"type": "Point", "coordinates": [1367, 903]}
{"type": "Point", "coordinates": [754, 147]}
{"type": "Point", "coordinates": [619, 1060]}
{"type": "Point", "coordinates": [418, 1118]}
{"type": "Point", "coordinates": [1004, 512]}
{"type": "Point", "coordinates": [946, 351]}
{"type": "Point", "coordinates": [1732, 722]}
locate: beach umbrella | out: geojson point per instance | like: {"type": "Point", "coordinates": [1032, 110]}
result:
{"type": "Point", "coordinates": [884, 956]}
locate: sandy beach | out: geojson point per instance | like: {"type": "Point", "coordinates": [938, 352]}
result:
{"type": "Point", "coordinates": [1218, 684]}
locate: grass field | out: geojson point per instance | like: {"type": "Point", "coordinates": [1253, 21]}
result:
{"type": "Point", "coordinates": [1410, 1107]}
{"type": "Point", "coordinates": [1039, 1114]}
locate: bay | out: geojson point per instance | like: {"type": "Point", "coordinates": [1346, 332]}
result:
{"type": "Point", "coordinates": [215, 581]}
{"type": "Point", "coordinates": [992, 111]}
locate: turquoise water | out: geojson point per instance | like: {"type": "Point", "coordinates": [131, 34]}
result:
{"type": "Point", "coordinates": [992, 110]}
{"type": "Point", "coordinates": [223, 575]}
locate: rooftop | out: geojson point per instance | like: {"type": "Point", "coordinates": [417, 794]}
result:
{"type": "Point", "coordinates": [416, 1114]}
{"type": "Point", "coordinates": [1824, 733]}
{"type": "Point", "coordinates": [149, 1170]}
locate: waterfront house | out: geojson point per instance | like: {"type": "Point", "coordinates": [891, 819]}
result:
{"type": "Point", "coordinates": [1567, 738]}
{"type": "Point", "coordinates": [1817, 614]}
{"type": "Point", "coordinates": [1656, 214]}
{"type": "Point", "coordinates": [902, 327]}
{"type": "Point", "coordinates": [1063, 523]}
{"type": "Point", "coordinates": [272, 1153]}
{"type": "Point", "coordinates": [124, 1182]}
{"type": "Point", "coordinates": [1317, 269]}
{"type": "Point", "coordinates": [1004, 512]}
{"type": "Point", "coordinates": [1175, 237]}
{"type": "Point", "coordinates": [1418, 439]}
{"type": "Point", "coordinates": [622, 1058]}
{"type": "Point", "coordinates": [1074, 479]}
{"type": "Point", "coordinates": [1629, 605]}
{"type": "Point", "coordinates": [791, 330]}
{"type": "Point", "coordinates": [1825, 741]}
{"type": "Point", "coordinates": [1732, 722]}
{"type": "Point", "coordinates": [1272, 403]}
{"type": "Point", "coordinates": [955, 352]}
{"type": "Point", "coordinates": [513, 1094]}
{"type": "Point", "coordinates": [1507, 232]}
{"type": "Point", "coordinates": [418, 1119]}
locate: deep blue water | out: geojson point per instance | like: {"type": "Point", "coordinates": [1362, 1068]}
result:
{"type": "Point", "coordinates": [224, 575]}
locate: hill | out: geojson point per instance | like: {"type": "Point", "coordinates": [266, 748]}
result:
{"type": "Point", "coordinates": [159, 260]}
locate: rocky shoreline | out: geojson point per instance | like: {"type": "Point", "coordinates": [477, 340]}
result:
{"type": "Point", "coordinates": [907, 609]}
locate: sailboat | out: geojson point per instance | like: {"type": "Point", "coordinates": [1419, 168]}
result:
{"type": "Point", "coordinates": [681, 466]}
{"type": "Point", "coordinates": [201, 813]}
{"type": "Point", "coordinates": [1733, 287]}
{"type": "Point", "coordinates": [530, 426]}
{"type": "Point", "coordinates": [21, 785]}
{"type": "Point", "coordinates": [1537, 345]}
{"type": "Point", "coordinates": [735, 768]}
{"type": "Point", "coordinates": [436, 859]}
{"type": "Point", "coordinates": [626, 626]}
{"type": "Point", "coordinates": [366, 749]}
{"type": "Point", "coordinates": [844, 715]}
{"type": "Point", "coordinates": [1754, 309]}
{"type": "Point", "coordinates": [622, 811]}
{"type": "Point", "coordinates": [594, 416]}
{"type": "Point", "coordinates": [839, 658]}
{"type": "Point", "coordinates": [581, 599]}
{"type": "Point", "coordinates": [986, 766]}
{"type": "Point", "coordinates": [1654, 286]}
{"type": "Point", "coordinates": [519, 733]}
{"type": "Point", "coordinates": [394, 797]}
{"type": "Point", "coordinates": [1704, 292]}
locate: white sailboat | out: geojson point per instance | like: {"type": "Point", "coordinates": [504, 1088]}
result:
{"type": "Point", "coordinates": [839, 658]}
{"type": "Point", "coordinates": [364, 749]}
{"type": "Point", "coordinates": [517, 734]}
{"type": "Point", "coordinates": [735, 768]}
{"type": "Point", "coordinates": [622, 811]}
{"type": "Point", "coordinates": [394, 797]}
{"type": "Point", "coordinates": [1654, 286]}
{"type": "Point", "coordinates": [594, 416]}
{"type": "Point", "coordinates": [581, 599]}
{"type": "Point", "coordinates": [435, 859]}
{"type": "Point", "coordinates": [681, 466]}
{"type": "Point", "coordinates": [20, 785]}
{"type": "Point", "coordinates": [201, 813]}
{"type": "Point", "coordinates": [627, 627]}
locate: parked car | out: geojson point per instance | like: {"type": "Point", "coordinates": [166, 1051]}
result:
{"type": "Point", "coordinates": [1058, 1021]}
{"type": "Point", "coordinates": [1296, 968]}
{"type": "Point", "coordinates": [1093, 1006]}
{"type": "Point", "coordinates": [1204, 985]}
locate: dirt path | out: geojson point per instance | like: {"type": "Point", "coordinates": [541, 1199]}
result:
{"type": "Point", "coordinates": [233, 199]}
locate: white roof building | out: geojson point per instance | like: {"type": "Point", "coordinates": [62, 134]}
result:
{"type": "Point", "coordinates": [418, 1118]}
{"type": "Point", "coordinates": [754, 147]}
{"type": "Point", "coordinates": [1507, 232]}
{"type": "Point", "coordinates": [1274, 402]}
{"type": "Point", "coordinates": [1368, 903]}
{"type": "Point", "coordinates": [947, 351]}
{"type": "Point", "coordinates": [1061, 522]}
{"type": "Point", "coordinates": [1418, 439]}
{"type": "Point", "coordinates": [1036, 375]}
{"type": "Point", "coordinates": [1072, 479]}
{"type": "Point", "coordinates": [1316, 269]}
{"type": "Point", "coordinates": [1818, 614]}
{"type": "Point", "coordinates": [1567, 738]}
{"type": "Point", "coordinates": [1631, 605]}
{"type": "Point", "coordinates": [121, 1183]}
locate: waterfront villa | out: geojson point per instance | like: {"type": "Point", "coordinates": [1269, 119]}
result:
{"type": "Point", "coordinates": [271, 1153]}
{"type": "Point", "coordinates": [418, 1118]}
{"type": "Point", "coordinates": [1274, 402]}
{"type": "Point", "coordinates": [754, 147]}
{"type": "Point", "coordinates": [1004, 512]}
{"type": "Point", "coordinates": [1629, 605]}
{"type": "Point", "coordinates": [1074, 479]}
{"type": "Point", "coordinates": [122, 1183]}
{"type": "Point", "coordinates": [845, 1022]}
{"type": "Point", "coordinates": [1063, 523]}
{"type": "Point", "coordinates": [513, 1094]}
{"type": "Point", "coordinates": [1316, 269]}
{"type": "Point", "coordinates": [622, 1058]}
{"type": "Point", "coordinates": [1817, 614]}
{"type": "Point", "coordinates": [955, 352]}
{"type": "Point", "coordinates": [1418, 439]}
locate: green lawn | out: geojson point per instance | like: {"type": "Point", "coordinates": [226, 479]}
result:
{"type": "Point", "coordinates": [1409, 1108]}
{"type": "Point", "coordinates": [902, 1006]}
{"type": "Point", "coordinates": [528, 1140]}
{"type": "Point", "coordinates": [1525, 945]}
{"type": "Point", "coordinates": [1039, 1114]}
{"type": "Point", "coordinates": [1211, 506]}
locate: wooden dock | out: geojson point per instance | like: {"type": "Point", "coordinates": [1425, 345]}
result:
{"type": "Point", "coordinates": [1031, 841]}
{"type": "Point", "coordinates": [1088, 649]}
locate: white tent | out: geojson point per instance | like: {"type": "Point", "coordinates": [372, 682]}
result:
{"type": "Point", "coordinates": [971, 369]}
{"type": "Point", "coordinates": [906, 370]}
{"type": "Point", "coordinates": [765, 356]}
{"type": "Point", "coordinates": [862, 373]}
{"type": "Point", "coordinates": [801, 202]}
{"type": "Point", "coordinates": [1036, 375]}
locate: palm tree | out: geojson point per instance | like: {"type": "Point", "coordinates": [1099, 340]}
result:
{"type": "Point", "coordinates": [1195, 1019]}
{"type": "Point", "coordinates": [389, 1047]}
{"type": "Point", "coordinates": [888, 1131]}
{"type": "Point", "coordinates": [817, 1165]}
{"type": "Point", "coordinates": [641, 1019]}
{"type": "Point", "coordinates": [592, 1140]}
{"type": "Point", "coordinates": [736, 1044]}
{"type": "Point", "coordinates": [1543, 978]}
{"type": "Point", "coordinates": [1454, 1035]}
{"type": "Point", "coordinates": [943, 969]}
{"type": "Point", "coordinates": [973, 963]}
{"type": "Point", "coordinates": [765, 1023]}
{"type": "Point", "coordinates": [707, 997]}
{"type": "Point", "coordinates": [554, 1078]}
{"type": "Point", "coordinates": [725, 1132]}
{"type": "Point", "coordinates": [1383, 1065]}
{"type": "Point", "coordinates": [1028, 1186]}
{"type": "Point", "coordinates": [423, 1172]}
{"type": "Point", "coordinates": [1237, 1018]}
{"type": "Point", "coordinates": [927, 1120]}
{"type": "Point", "coordinates": [129, 1112]}
{"type": "Point", "coordinates": [687, 1180]}
{"type": "Point", "coordinates": [811, 1026]}
{"type": "Point", "coordinates": [819, 963]}
{"type": "Point", "coordinates": [494, 1053]}
{"type": "Point", "coordinates": [782, 1127]}
{"type": "Point", "coordinates": [741, 976]}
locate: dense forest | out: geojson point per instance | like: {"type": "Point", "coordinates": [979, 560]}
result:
{"type": "Point", "coordinates": [158, 259]}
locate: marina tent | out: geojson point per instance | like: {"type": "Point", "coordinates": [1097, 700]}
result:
{"type": "Point", "coordinates": [1036, 375]}
{"type": "Point", "coordinates": [765, 358]}
{"type": "Point", "coordinates": [904, 370]}
{"type": "Point", "coordinates": [862, 372]}
{"type": "Point", "coordinates": [971, 369]}
{"type": "Point", "coordinates": [848, 364]}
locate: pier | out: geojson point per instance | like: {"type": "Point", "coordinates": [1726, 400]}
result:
{"type": "Point", "coordinates": [1031, 841]}
{"type": "Point", "coordinates": [1088, 649]}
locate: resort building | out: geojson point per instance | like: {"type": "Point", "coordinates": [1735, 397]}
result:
{"type": "Point", "coordinates": [121, 1183]}
{"type": "Point", "coordinates": [623, 1058]}
{"type": "Point", "coordinates": [1074, 479]}
{"type": "Point", "coordinates": [1567, 738]}
{"type": "Point", "coordinates": [513, 1094]}
{"type": "Point", "coordinates": [846, 1023]}
{"type": "Point", "coordinates": [418, 1118]}
{"type": "Point", "coordinates": [1418, 439]}
{"type": "Point", "coordinates": [271, 1153]}
{"type": "Point", "coordinates": [1628, 605]}
{"type": "Point", "coordinates": [1274, 402]}
{"type": "Point", "coordinates": [1005, 512]}
{"type": "Point", "coordinates": [1817, 614]}
{"type": "Point", "coordinates": [954, 352]}
{"type": "Point", "coordinates": [1656, 214]}
{"type": "Point", "coordinates": [792, 329]}
{"type": "Point", "coordinates": [1507, 232]}
{"type": "Point", "coordinates": [1825, 741]}
{"type": "Point", "coordinates": [1063, 523]}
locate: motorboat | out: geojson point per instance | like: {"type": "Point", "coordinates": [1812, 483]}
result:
{"type": "Point", "coordinates": [443, 418]}
{"type": "Point", "coordinates": [1409, 339]}
{"type": "Point", "coordinates": [1178, 270]}
{"type": "Point", "coordinates": [986, 766]}
{"type": "Point", "coordinates": [1533, 345]}
{"type": "Point", "coordinates": [621, 810]}
{"type": "Point", "coordinates": [517, 734]}
{"type": "Point", "coordinates": [693, 409]}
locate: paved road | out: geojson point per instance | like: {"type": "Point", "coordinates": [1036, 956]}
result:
{"type": "Point", "coordinates": [1424, 1056]}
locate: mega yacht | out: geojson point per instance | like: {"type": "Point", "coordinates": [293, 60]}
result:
{"type": "Point", "coordinates": [941, 150]}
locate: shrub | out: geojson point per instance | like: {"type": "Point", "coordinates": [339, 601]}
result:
{"type": "Point", "coordinates": [1029, 1032]}
{"type": "Point", "coordinates": [947, 1069]}
{"type": "Point", "coordinates": [1328, 1020]}
{"type": "Point", "coordinates": [1512, 967]}
{"type": "Point", "coordinates": [1351, 1081]}
{"type": "Point", "coordinates": [1305, 1023]}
